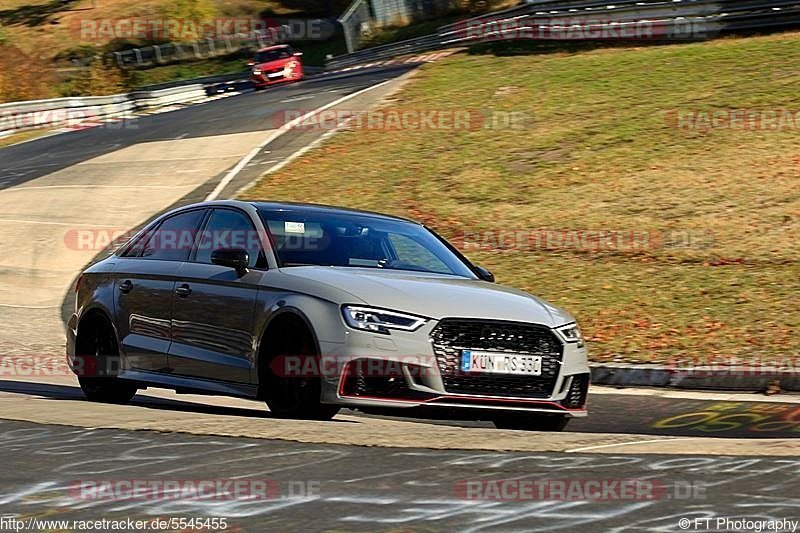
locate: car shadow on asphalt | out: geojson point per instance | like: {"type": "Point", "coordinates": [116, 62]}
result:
{"type": "Point", "coordinates": [73, 393]}
{"type": "Point", "coordinates": [609, 413]}
{"type": "Point", "coordinates": [652, 415]}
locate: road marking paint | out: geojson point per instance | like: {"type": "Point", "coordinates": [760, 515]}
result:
{"type": "Point", "coordinates": [277, 133]}
{"type": "Point", "coordinates": [294, 155]}
{"type": "Point", "coordinates": [93, 186]}
{"type": "Point", "coordinates": [587, 448]}
{"type": "Point", "coordinates": [45, 222]}
{"type": "Point", "coordinates": [15, 306]}
{"type": "Point", "coordinates": [162, 158]}
{"type": "Point", "coordinates": [297, 98]}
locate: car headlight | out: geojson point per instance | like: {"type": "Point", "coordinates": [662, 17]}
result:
{"type": "Point", "coordinates": [571, 333]}
{"type": "Point", "coordinates": [256, 72]}
{"type": "Point", "coordinates": [379, 320]}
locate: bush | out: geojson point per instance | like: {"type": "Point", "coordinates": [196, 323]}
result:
{"type": "Point", "coordinates": [102, 77]}
{"type": "Point", "coordinates": [22, 78]}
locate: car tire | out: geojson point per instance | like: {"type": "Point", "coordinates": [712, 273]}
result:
{"type": "Point", "coordinates": [532, 422]}
{"type": "Point", "coordinates": [107, 390]}
{"type": "Point", "coordinates": [295, 397]}
{"type": "Point", "coordinates": [97, 342]}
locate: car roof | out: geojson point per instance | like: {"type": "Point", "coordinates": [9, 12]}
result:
{"type": "Point", "coordinates": [299, 207]}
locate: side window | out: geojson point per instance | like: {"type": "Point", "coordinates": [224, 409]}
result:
{"type": "Point", "coordinates": [226, 230]}
{"type": "Point", "coordinates": [136, 248]}
{"type": "Point", "coordinates": [412, 253]}
{"type": "Point", "coordinates": [173, 239]}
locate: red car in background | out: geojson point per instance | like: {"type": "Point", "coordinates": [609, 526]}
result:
{"type": "Point", "coordinates": [275, 64]}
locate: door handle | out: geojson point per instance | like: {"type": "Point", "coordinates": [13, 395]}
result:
{"type": "Point", "coordinates": [126, 286]}
{"type": "Point", "coordinates": [183, 291]}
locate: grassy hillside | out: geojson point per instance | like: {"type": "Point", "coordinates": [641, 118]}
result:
{"type": "Point", "coordinates": [600, 153]}
{"type": "Point", "coordinates": [43, 36]}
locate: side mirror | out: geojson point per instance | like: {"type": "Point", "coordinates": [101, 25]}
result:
{"type": "Point", "coordinates": [235, 259]}
{"type": "Point", "coordinates": [297, 54]}
{"type": "Point", "coordinates": [484, 274]}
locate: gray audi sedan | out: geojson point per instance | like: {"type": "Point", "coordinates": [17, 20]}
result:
{"type": "Point", "coordinates": [313, 308]}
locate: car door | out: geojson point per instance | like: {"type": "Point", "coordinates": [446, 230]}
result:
{"type": "Point", "coordinates": [144, 282]}
{"type": "Point", "coordinates": [214, 305]}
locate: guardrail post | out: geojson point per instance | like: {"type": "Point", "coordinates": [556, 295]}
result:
{"type": "Point", "coordinates": [118, 57]}
{"type": "Point", "coordinates": [348, 38]}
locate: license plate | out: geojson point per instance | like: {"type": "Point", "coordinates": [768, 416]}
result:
{"type": "Point", "coordinates": [501, 363]}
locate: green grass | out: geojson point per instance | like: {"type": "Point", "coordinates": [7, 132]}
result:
{"type": "Point", "coordinates": [598, 154]}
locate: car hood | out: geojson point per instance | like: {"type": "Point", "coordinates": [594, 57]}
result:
{"type": "Point", "coordinates": [268, 65]}
{"type": "Point", "coordinates": [432, 295]}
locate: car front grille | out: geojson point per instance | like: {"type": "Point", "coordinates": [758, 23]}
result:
{"type": "Point", "coordinates": [452, 335]}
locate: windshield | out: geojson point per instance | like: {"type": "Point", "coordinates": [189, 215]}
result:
{"type": "Point", "coordinates": [272, 55]}
{"type": "Point", "coordinates": [345, 240]}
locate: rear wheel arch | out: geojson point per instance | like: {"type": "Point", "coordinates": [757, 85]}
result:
{"type": "Point", "coordinates": [96, 360]}
{"type": "Point", "coordinates": [93, 318]}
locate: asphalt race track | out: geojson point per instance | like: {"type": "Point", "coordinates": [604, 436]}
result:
{"type": "Point", "coordinates": [371, 489]}
{"type": "Point", "coordinates": [710, 455]}
{"type": "Point", "coordinates": [249, 112]}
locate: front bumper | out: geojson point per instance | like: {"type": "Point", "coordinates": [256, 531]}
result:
{"type": "Point", "coordinates": [276, 76]}
{"type": "Point", "coordinates": [402, 370]}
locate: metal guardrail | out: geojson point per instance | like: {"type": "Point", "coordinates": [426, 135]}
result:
{"type": "Point", "coordinates": [356, 21]}
{"type": "Point", "coordinates": [541, 19]}
{"type": "Point", "coordinates": [204, 48]}
{"type": "Point", "coordinates": [58, 112]}
{"type": "Point", "coordinates": [376, 53]}
{"type": "Point", "coordinates": [224, 44]}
